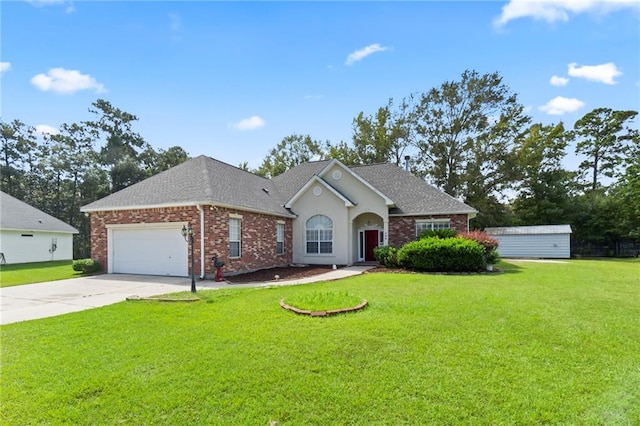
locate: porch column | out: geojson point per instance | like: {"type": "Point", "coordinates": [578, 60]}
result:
{"type": "Point", "coordinates": [351, 258]}
{"type": "Point", "coordinates": [385, 237]}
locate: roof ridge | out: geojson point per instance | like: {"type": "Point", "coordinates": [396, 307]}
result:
{"type": "Point", "coordinates": [235, 167]}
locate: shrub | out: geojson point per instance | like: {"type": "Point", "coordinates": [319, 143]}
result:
{"type": "Point", "coordinates": [440, 233]}
{"type": "Point", "coordinates": [386, 255]}
{"type": "Point", "coordinates": [492, 257]}
{"type": "Point", "coordinates": [485, 240]}
{"type": "Point", "coordinates": [86, 266]}
{"type": "Point", "coordinates": [442, 255]}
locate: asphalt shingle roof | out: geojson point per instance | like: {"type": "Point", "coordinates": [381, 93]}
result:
{"type": "Point", "coordinates": [292, 180]}
{"type": "Point", "coordinates": [410, 194]}
{"type": "Point", "coordinates": [198, 180]}
{"type": "Point", "coordinates": [206, 180]}
{"type": "Point", "coordinates": [18, 215]}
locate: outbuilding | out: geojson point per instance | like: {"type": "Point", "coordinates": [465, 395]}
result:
{"type": "Point", "coordinates": [542, 241]}
{"type": "Point", "coordinates": [31, 235]}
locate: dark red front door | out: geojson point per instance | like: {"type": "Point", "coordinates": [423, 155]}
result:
{"type": "Point", "coordinates": [370, 242]}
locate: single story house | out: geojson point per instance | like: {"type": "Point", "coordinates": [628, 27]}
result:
{"type": "Point", "coordinates": [320, 212]}
{"type": "Point", "coordinates": [543, 241]}
{"type": "Point", "coordinates": [31, 235]}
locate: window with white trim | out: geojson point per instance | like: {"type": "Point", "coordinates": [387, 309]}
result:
{"type": "Point", "coordinates": [280, 238]}
{"type": "Point", "coordinates": [319, 232]}
{"type": "Point", "coordinates": [431, 225]}
{"type": "Point", "coordinates": [234, 237]}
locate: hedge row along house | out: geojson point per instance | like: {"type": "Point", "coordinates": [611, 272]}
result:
{"type": "Point", "coordinates": [320, 212]}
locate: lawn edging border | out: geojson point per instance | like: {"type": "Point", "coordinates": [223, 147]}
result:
{"type": "Point", "coordinates": [298, 311]}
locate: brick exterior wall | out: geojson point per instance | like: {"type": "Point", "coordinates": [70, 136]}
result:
{"type": "Point", "coordinates": [258, 235]}
{"type": "Point", "coordinates": [402, 229]}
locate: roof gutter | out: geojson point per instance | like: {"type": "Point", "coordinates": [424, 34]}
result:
{"type": "Point", "coordinates": [185, 204]}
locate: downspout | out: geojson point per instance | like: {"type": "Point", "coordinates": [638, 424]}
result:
{"type": "Point", "coordinates": [201, 210]}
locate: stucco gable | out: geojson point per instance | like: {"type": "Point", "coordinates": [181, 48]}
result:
{"type": "Point", "coordinates": [334, 164]}
{"type": "Point", "coordinates": [311, 183]}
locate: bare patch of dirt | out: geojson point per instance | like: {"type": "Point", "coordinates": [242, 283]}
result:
{"type": "Point", "coordinates": [283, 272]}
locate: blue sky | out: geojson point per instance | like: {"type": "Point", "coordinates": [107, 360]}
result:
{"type": "Point", "coordinates": [230, 80]}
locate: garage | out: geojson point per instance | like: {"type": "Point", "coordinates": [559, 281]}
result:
{"type": "Point", "coordinates": [156, 249]}
{"type": "Point", "coordinates": [544, 241]}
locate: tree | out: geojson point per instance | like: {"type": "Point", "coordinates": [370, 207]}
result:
{"type": "Point", "coordinates": [385, 136]}
{"type": "Point", "coordinates": [291, 151]}
{"type": "Point", "coordinates": [605, 140]}
{"type": "Point", "coordinates": [465, 131]}
{"type": "Point", "coordinates": [18, 141]}
{"type": "Point", "coordinates": [122, 150]}
{"type": "Point", "coordinates": [161, 160]}
{"type": "Point", "coordinates": [625, 196]}
{"type": "Point", "coordinates": [545, 188]}
{"type": "Point", "coordinates": [342, 152]}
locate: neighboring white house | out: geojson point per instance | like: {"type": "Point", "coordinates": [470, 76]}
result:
{"type": "Point", "coordinates": [31, 235]}
{"type": "Point", "coordinates": [544, 241]}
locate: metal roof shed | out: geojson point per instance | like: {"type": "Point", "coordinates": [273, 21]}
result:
{"type": "Point", "coordinates": [543, 241]}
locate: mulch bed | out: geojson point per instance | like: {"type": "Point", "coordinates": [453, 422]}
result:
{"type": "Point", "coordinates": [284, 273]}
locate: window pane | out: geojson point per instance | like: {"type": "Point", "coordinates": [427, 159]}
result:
{"type": "Point", "coordinates": [234, 249]}
{"type": "Point", "coordinates": [280, 232]}
{"type": "Point", "coordinates": [234, 237]}
{"type": "Point", "coordinates": [279, 247]}
{"type": "Point", "coordinates": [326, 247]}
{"type": "Point", "coordinates": [319, 233]}
{"type": "Point", "coordinates": [234, 229]}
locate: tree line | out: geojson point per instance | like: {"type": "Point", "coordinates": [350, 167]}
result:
{"type": "Point", "coordinates": [59, 173]}
{"type": "Point", "coordinates": [469, 137]}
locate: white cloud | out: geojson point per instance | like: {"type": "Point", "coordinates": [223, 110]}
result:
{"type": "Point", "coordinates": [313, 97]}
{"type": "Point", "coordinates": [39, 3]}
{"type": "Point", "coordinates": [60, 80]}
{"type": "Point", "coordinates": [560, 105]}
{"type": "Point", "coordinates": [175, 22]}
{"type": "Point", "coordinates": [46, 129]}
{"type": "Point", "coordinates": [4, 67]}
{"type": "Point", "coordinates": [559, 10]}
{"type": "Point", "coordinates": [358, 55]}
{"type": "Point", "coordinates": [251, 123]}
{"type": "Point", "coordinates": [604, 73]}
{"type": "Point", "coordinates": [558, 81]}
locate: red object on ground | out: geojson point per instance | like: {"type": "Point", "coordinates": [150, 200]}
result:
{"type": "Point", "coordinates": [219, 275]}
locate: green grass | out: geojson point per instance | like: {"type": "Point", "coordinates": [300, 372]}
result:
{"type": "Point", "coordinates": [29, 273]}
{"type": "Point", "coordinates": [323, 300]}
{"type": "Point", "coordinates": [541, 343]}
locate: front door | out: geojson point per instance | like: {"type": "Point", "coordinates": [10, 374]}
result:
{"type": "Point", "coordinates": [370, 242]}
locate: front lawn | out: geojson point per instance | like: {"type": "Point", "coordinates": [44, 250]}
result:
{"type": "Point", "coordinates": [29, 273]}
{"type": "Point", "coordinates": [541, 343]}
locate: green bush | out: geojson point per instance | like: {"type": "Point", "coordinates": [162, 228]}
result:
{"type": "Point", "coordinates": [86, 266]}
{"type": "Point", "coordinates": [492, 257]}
{"type": "Point", "coordinates": [442, 255]}
{"type": "Point", "coordinates": [440, 233]}
{"type": "Point", "coordinates": [386, 255]}
{"type": "Point", "coordinates": [489, 243]}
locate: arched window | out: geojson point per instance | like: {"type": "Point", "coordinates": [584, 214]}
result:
{"type": "Point", "coordinates": [319, 235]}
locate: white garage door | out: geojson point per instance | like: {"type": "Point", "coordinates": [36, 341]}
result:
{"type": "Point", "coordinates": [149, 251]}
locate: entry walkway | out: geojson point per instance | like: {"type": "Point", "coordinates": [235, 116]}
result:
{"type": "Point", "coordinates": [48, 299]}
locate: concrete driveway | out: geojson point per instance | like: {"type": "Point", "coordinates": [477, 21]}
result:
{"type": "Point", "coordinates": [34, 301]}
{"type": "Point", "coordinates": [41, 300]}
